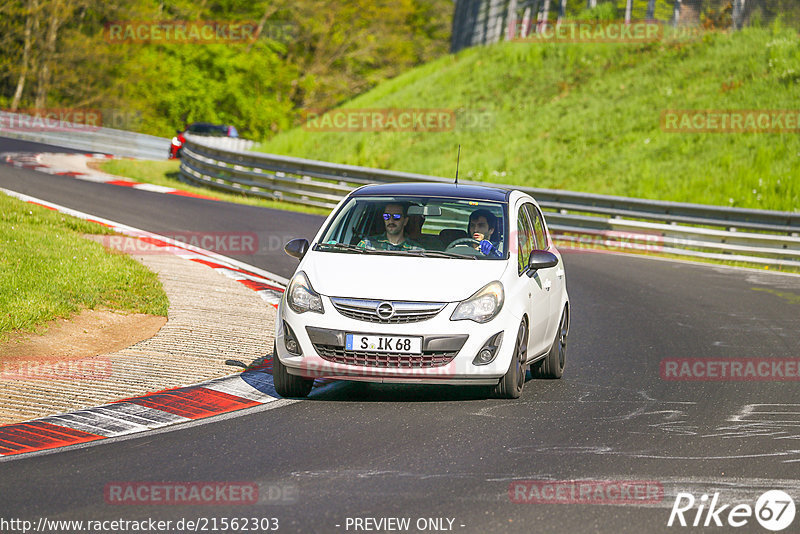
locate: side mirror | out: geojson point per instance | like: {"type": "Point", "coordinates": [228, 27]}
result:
{"type": "Point", "coordinates": [540, 259]}
{"type": "Point", "coordinates": [296, 248]}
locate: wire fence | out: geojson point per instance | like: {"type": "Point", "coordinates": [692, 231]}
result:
{"type": "Point", "coordinates": [477, 22]}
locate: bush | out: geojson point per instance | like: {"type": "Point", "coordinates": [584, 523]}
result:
{"type": "Point", "coordinates": [784, 55]}
{"type": "Point", "coordinates": [603, 11]}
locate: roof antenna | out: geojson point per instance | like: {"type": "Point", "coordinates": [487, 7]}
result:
{"type": "Point", "coordinates": [458, 160]}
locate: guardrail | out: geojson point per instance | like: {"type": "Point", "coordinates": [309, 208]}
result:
{"type": "Point", "coordinates": [81, 137]}
{"type": "Point", "coordinates": [579, 220]}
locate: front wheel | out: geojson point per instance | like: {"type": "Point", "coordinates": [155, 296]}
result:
{"type": "Point", "coordinates": [510, 386]}
{"type": "Point", "coordinates": [285, 384]}
{"type": "Point", "coordinates": [552, 366]}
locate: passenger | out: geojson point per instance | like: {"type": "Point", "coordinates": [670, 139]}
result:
{"type": "Point", "coordinates": [482, 226]}
{"type": "Point", "coordinates": [394, 222]}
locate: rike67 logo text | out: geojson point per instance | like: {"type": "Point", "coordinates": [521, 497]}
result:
{"type": "Point", "coordinates": [774, 510]}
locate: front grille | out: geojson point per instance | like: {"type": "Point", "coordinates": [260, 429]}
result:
{"type": "Point", "coordinates": [428, 358]}
{"type": "Point", "coordinates": [404, 312]}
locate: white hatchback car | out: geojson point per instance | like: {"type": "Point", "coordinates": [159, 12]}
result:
{"type": "Point", "coordinates": [425, 283]}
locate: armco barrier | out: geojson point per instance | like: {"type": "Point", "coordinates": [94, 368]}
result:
{"type": "Point", "coordinates": [735, 234]}
{"type": "Point", "coordinates": [96, 140]}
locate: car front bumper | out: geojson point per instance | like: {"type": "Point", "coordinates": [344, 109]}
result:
{"type": "Point", "coordinates": [449, 348]}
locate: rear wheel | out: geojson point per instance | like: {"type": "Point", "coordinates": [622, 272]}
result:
{"type": "Point", "coordinates": [552, 366]}
{"type": "Point", "coordinates": [285, 384]}
{"type": "Point", "coordinates": [510, 386]}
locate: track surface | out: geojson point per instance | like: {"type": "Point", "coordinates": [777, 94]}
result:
{"type": "Point", "coordinates": [359, 450]}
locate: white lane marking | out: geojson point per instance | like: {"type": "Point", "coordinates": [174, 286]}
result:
{"type": "Point", "coordinates": [115, 419]}
{"type": "Point", "coordinates": [155, 188]}
{"type": "Point", "coordinates": [235, 385]}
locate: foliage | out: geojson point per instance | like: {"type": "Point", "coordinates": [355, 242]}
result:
{"type": "Point", "coordinates": [586, 117]}
{"type": "Point", "coordinates": [603, 11]}
{"type": "Point", "coordinates": [784, 56]}
{"type": "Point", "coordinates": [309, 54]}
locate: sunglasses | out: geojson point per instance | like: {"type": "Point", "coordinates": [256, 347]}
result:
{"type": "Point", "coordinates": [395, 216]}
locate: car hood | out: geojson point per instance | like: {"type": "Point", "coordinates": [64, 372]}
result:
{"type": "Point", "coordinates": [398, 277]}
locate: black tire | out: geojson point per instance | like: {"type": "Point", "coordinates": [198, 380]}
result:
{"type": "Point", "coordinates": [552, 366]}
{"type": "Point", "coordinates": [510, 386]}
{"type": "Point", "coordinates": [285, 384]}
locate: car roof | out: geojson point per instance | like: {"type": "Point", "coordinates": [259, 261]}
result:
{"type": "Point", "coordinates": [427, 189]}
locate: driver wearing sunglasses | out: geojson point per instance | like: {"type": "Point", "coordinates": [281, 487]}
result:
{"type": "Point", "coordinates": [394, 238]}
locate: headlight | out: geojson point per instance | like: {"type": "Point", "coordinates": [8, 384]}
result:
{"type": "Point", "coordinates": [176, 141]}
{"type": "Point", "coordinates": [301, 297]}
{"type": "Point", "coordinates": [483, 306]}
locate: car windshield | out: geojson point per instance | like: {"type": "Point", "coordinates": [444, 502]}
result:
{"type": "Point", "coordinates": [212, 130]}
{"type": "Point", "coordinates": [418, 226]}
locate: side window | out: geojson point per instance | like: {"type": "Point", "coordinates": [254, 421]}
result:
{"type": "Point", "coordinates": [525, 239]}
{"type": "Point", "coordinates": [538, 226]}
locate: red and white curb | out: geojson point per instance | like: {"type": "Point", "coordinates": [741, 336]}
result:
{"type": "Point", "coordinates": [139, 414]}
{"type": "Point", "coordinates": [250, 388]}
{"type": "Point", "coordinates": [76, 166]}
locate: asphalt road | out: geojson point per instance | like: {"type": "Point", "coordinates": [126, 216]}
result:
{"type": "Point", "coordinates": [378, 451]}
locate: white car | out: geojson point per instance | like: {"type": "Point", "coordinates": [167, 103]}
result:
{"type": "Point", "coordinates": [425, 283]}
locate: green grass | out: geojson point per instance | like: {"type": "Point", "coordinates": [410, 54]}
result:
{"type": "Point", "coordinates": [47, 270]}
{"type": "Point", "coordinates": [586, 117]}
{"type": "Point", "coordinates": [166, 173]}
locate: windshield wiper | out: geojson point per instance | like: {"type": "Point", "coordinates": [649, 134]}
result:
{"type": "Point", "coordinates": [341, 246]}
{"type": "Point", "coordinates": [440, 254]}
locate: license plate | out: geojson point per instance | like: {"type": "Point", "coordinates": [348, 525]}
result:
{"type": "Point", "coordinates": [395, 344]}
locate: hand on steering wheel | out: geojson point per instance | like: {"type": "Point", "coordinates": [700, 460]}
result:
{"type": "Point", "coordinates": [463, 242]}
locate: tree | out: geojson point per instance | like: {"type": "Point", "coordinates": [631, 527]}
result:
{"type": "Point", "coordinates": [31, 20]}
{"type": "Point", "coordinates": [737, 17]}
{"type": "Point", "coordinates": [651, 9]}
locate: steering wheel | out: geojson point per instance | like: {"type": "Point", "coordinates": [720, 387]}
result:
{"type": "Point", "coordinates": [463, 242]}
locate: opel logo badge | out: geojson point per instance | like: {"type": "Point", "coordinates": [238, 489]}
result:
{"type": "Point", "coordinates": [385, 310]}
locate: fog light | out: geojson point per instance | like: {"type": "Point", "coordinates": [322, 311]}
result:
{"type": "Point", "coordinates": [485, 356]}
{"type": "Point", "coordinates": [489, 350]}
{"type": "Point", "coordinates": [290, 340]}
